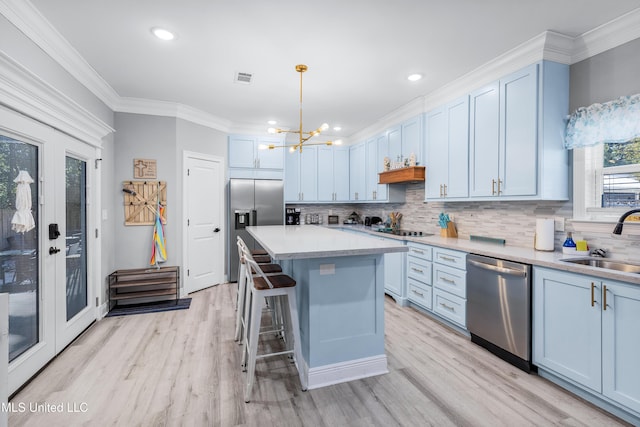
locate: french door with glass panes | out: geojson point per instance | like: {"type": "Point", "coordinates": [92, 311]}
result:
{"type": "Point", "coordinates": [45, 269]}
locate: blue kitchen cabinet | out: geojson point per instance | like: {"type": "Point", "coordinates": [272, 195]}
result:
{"type": "Point", "coordinates": [516, 135]}
{"type": "Point", "coordinates": [340, 173]}
{"type": "Point", "coordinates": [245, 153]}
{"type": "Point", "coordinates": [301, 176]}
{"type": "Point", "coordinates": [484, 105]}
{"type": "Point", "coordinates": [371, 169]}
{"type": "Point", "coordinates": [333, 174]}
{"type": "Point", "coordinates": [411, 137]}
{"type": "Point", "coordinates": [419, 267]}
{"type": "Point", "coordinates": [292, 177]}
{"type": "Point", "coordinates": [357, 172]}
{"type": "Point", "coordinates": [567, 326]}
{"type": "Point", "coordinates": [309, 174]}
{"type": "Point", "coordinates": [394, 138]}
{"type": "Point", "coordinates": [518, 152]}
{"type": "Point", "coordinates": [382, 151]}
{"type": "Point", "coordinates": [586, 332]}
{"type": "Point", "coordinates": [621, 344]}
{"type": "Point", "coordinates": [447, 151]}
{"type": "Point", "coordinates": [394, 275]}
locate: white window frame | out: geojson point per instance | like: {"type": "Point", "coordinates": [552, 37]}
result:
{"type": "Point", "coordinates": [587, 180]}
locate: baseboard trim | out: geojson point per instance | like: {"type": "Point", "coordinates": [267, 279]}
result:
{"type": "Point", "coordinates": [337, 373]}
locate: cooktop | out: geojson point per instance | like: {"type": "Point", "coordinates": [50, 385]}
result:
{"type": "Point", "coordinates": [404, 232]}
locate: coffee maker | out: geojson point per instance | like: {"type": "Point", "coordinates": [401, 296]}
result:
{"type": "Point", "coordinates": [292, 216]}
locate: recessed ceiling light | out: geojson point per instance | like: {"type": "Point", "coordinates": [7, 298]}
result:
{"type": "Point", "coordinates": [414, 77]}
{"type": "Point", "coordinates": [162, 34]}
{"type": "Point", "coordinates": [337, 128]}
{"type": "Point", "coordinates": [272, 122]}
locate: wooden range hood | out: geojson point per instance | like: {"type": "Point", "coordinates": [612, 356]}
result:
{"type": "Point", "coordinates": [402, 175]}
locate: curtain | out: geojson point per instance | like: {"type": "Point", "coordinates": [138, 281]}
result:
{"type": "Point", "coordinates": [616, 121]}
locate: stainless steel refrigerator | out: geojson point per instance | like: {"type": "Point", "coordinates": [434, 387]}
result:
{"type": "Point", "coordinates": [251, 202]}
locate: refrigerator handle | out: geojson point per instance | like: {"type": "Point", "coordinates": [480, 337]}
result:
{"type": "Point", "coordinates": [253, 217]}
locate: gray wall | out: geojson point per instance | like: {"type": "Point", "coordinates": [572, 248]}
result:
{"type": "Point", "coordinates": [146, 137]}
{"type": "Point", "coordinates": [606, 76]}
{"type": "Point", "coordinates": [164, 139]}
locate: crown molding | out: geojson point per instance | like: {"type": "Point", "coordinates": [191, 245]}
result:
{"type": "Point", "coordinates": [23, 91]}
{"type": "Point", "coordinates": [30, 21]}
{"type": "Point", "coordinates": [607, 36]}
{"type": "Point", "coordinates": [548, 45]}
{"type": "Point", "coordinates": [171, 109]}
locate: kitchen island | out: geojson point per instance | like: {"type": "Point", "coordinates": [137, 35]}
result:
{"type": "Point", "coordinates": [340, 291]}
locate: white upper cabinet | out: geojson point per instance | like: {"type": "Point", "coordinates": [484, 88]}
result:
{"type": "Point", "coordinates": [412, 138]}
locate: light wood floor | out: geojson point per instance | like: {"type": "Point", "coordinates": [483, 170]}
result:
{"type": "Point", "coordinates": [182, 368]}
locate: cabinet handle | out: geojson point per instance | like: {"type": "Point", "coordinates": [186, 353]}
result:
{"type": "Point", "coordinates": [258, 162]}
{"type": "Point", "coordinates": [593, 299]}
{"type": "Point", "coordinates": [440, 190]}
{"type": "Point", "coordinates": [604, 294]}
{"type": "Point", "coordinates": [493, 187]}
{"type": "Point", "coordinates": [499, 189]}
{"type": "Point", "coordinates": [375, 195]}
{"type": "Point", "coordinates": [445, 279]}
{"type": "Point", "coordinates": [446, 258]}
{"type": "Point", "coordinates": [417, 270]}
{"type": "Point", "coordinates": [417, 251]}
{"type": "Point", "coordinates": [417, 293]}
{"type": "Point", "coordinates": [448, 307]}
{"type": "Point", "coordinates": [445, 189]}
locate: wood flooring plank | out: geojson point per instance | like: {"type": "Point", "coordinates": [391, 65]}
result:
{"type": "Point", "coordinates": [183, 368]}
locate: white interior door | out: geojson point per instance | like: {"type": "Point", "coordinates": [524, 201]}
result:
{"type": "Point", "coordinates": [40, 322]}
{"type": "Point", "coordinates": [204, 213]}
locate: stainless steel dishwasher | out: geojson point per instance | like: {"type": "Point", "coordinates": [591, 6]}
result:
{"type": "Point", "coordinates": [499, 308]}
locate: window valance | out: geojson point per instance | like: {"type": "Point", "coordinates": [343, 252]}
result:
{"type": "Point", "coordinates": [616, 121]}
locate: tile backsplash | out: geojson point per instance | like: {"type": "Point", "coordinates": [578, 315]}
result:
{"type": "Point", "coordinates": [513, 221]}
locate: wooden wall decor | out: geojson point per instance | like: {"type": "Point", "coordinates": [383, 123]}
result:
{"type": "Point", "coordinates": [141, 201]}
{"type": "Point", "coordinates": [145, 169]}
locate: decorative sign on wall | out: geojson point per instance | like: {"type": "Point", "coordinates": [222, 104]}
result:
{"type": "Point", "coordinates": [145, 169]}
{"type": "Point", "coordinates": [141, 201]}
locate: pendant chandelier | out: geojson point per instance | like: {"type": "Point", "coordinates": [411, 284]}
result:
{"type": "Point", "coordinates": [303, 136]}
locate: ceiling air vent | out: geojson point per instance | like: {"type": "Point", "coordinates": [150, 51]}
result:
{"type": "Point", "coordinates": [244, 78]}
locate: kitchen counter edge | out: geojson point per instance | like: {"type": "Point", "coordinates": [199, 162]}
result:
{"type": "Point", "coordinates": [509, 253]}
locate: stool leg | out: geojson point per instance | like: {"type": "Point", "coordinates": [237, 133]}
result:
{"type": "Point", "coordinates": [254, 331]}
{"type": "Point", "coordinates": [250, 301]}
{"type": "Point", "coordinates": [295, 331]}
{"type": "Point", "coordinates": [240, 304]}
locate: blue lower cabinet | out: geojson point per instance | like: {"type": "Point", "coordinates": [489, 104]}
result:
{"type": "Point", "coordinates": [586, 334]}
{"type": "Point", "coordinates": [419, 293]}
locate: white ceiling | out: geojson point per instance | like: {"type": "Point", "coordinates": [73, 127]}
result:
{"type": "Point", "coordinates": [359, 52]}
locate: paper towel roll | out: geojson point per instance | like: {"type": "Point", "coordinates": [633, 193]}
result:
{"type": "Point", "coordinates": [544, 240]}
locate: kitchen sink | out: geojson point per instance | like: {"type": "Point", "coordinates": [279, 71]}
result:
{"type": "Point", "coordinates": [606, 264]}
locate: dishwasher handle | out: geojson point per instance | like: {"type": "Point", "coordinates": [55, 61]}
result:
{"type": "Point", "coordinates": [504, 270]}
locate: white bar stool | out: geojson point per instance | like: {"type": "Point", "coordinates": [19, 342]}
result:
{"type": "Point", "coordinates": [242, 285]}
{"type": "Point", "coordinates": [259, 287]}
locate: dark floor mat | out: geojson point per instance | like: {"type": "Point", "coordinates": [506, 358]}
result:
{"type": "Point", "coordinates": [154, 307]}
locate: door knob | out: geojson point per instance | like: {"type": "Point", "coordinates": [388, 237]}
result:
{"type": "Point", "coordinates": [53, 250]}
{"type": "Point", "coordinates": [215, 230]}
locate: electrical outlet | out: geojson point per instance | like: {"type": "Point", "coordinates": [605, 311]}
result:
{"type": "Point", "coordinates": [559, 223]}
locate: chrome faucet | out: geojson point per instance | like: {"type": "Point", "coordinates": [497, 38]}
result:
{"type": "Point", "coordinates": [618, 229]}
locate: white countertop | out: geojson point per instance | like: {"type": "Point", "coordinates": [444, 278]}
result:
{"type": "Point", "coordinates": [311, 241]}
{"type": "Point", "coordinates": [510, 253]}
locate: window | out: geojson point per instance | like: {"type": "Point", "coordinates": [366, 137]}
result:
{"type": "Point", "coordinates": [606, 180]}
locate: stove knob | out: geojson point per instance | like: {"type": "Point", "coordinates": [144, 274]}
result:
{"type": "Point", "coordinates": [421, 233]}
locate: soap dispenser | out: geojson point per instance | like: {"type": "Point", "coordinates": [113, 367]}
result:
{"type": "Point", "coordinates": [569, 246]}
